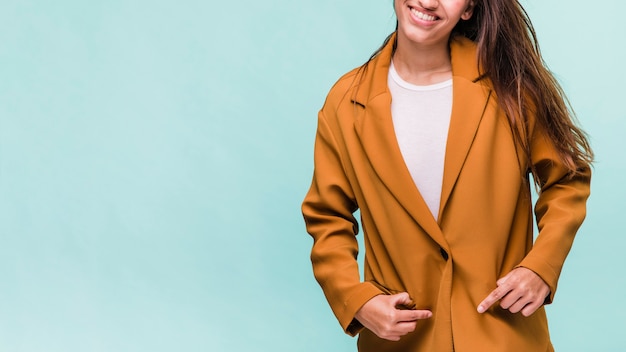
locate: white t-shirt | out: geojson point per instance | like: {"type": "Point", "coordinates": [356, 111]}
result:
{"type": "Point", "coordinates": [421, 118]}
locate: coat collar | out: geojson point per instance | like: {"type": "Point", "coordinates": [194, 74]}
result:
{"type": "Point", "coordinates": [375, 129]}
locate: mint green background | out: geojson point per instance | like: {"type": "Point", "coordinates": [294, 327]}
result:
{"type": "Point", "coordinates": [154, 154]}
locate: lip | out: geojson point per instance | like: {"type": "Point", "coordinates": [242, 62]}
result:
{"type": "Point", "coordinates": [422, 21]}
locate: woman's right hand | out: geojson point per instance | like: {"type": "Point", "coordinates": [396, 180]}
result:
{"type": "Point", "coordinates": [382, 316]}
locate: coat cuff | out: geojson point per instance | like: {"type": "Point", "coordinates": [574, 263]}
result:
{"type": "Point", "coordinates": [363, 293]}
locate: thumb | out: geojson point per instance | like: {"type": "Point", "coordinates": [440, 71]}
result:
{"type": "Point", "coordinates": [400, 299]}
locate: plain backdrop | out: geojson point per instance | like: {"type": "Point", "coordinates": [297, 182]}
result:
{"type": "Point", "coordinates": [154, 155]}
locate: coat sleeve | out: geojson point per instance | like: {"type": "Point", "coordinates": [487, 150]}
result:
{"type": "Point", "coordinates": [328, 213]}
{"type": "Point", "coordinates": [560, 210]}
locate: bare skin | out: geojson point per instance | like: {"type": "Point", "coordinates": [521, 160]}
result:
{"type": "Point", "coordinates": [521, 290]}
{"type": "Point", "coordinates": [422, 55]}
{"type": "Point", "coordinates": [382, 317]}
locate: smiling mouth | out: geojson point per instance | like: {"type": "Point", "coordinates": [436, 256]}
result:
{"type": "Point", "coordinates": [423, 16]}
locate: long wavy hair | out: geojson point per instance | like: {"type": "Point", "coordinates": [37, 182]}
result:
{"type": "Point", "coordinates": [509, 56]}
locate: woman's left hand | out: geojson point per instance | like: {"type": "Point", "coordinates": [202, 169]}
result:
{"type": "Point", "coordinates": [520, 290]}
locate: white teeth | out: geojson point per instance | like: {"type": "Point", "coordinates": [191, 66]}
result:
{"type": "Point", "coordinates": [423, 16]}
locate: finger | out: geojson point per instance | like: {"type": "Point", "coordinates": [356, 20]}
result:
{"type": "Point", "coordinates": [391, 337]}
{"type": "Point", "coordinates": [510, 299]}
{"type": "Point", "coordinates": [398, 330]}
{"type": "Point", "coordinates": [517, 306]}
{"type": "Point", "coordinates": [412, 315]}
{"type": "Point", "coordinates": [401, 299]}
{"type": "Point", "coordinates": [531, 308]}
{"type": "Point", "coordinates": [492, 298]}
{"type": "Point", "coordinates": [405, 327]}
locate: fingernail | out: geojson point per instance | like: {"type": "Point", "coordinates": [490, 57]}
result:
{"type": "Point", "coordinates": [481, 309]}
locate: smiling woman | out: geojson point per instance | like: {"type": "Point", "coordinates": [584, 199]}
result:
{"type": "Point", "coordinates": [435, 145]}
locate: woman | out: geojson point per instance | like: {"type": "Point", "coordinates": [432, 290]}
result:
{"type": "Point", "coordinates": [434, 139]}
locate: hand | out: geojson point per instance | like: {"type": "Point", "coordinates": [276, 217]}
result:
{"type": "Point", "coordinates": [520, 290]}
{"type": "Point", "coordinates": [382, 316]}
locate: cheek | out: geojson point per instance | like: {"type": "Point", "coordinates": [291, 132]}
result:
{"type": "Point", "coordinates": [398, 7]}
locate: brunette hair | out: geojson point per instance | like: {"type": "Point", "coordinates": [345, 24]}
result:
{"type": "Point", "coordinates": [509, 56]}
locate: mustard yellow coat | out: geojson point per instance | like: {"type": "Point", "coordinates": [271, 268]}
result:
{"type": "Point", "coordinates": [485, 219]}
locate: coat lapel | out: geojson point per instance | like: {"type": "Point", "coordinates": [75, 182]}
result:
{"type": "Point", "coordinates": [469, 103]}
{"type": "Point", "coordinates": [374, 128]}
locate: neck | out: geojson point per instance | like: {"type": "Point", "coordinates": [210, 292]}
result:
{"type": "Point", "coordinates": [422, 65]}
